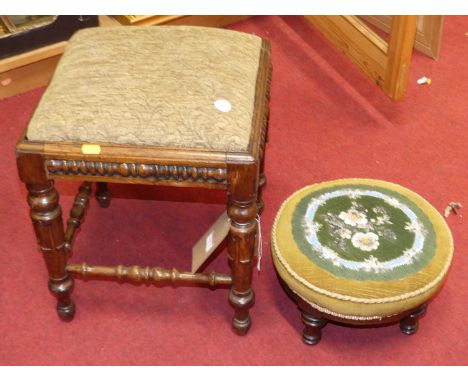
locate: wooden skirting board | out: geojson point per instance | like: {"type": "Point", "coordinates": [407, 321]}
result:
{"type": "Point", "coordinates": [31, 70]}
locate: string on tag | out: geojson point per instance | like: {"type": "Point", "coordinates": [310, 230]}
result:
{"type": "Point", "coordinates": [259, 242]}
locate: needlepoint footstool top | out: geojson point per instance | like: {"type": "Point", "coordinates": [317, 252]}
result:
{"type": "Point", "coordinates": [177, 86]}
{"type": "Point", "coordinates": [361, 248]}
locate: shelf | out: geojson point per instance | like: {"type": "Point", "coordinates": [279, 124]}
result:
{"type": "Point", "coordinates": [33, 69]}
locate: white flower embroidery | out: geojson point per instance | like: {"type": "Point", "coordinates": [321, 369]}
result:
{"type": "Point", "coordinates": [365, 241]}
{"type": "Point", "coordinates": [317, 202]}
{"type": "Point", "coordinates": [336, 262]}
{"type": "Point", "coordinates": [384, 219]}
{"type": "Point", "coordinates": [409, 255]}
{"type": "Point", "coordinates": [345, 233]}
{"type": "Point", "coordinates": [415, 227]}
{"type": "Point", "coordinates": [311, 226]}
{"type": "Point", "coordinates": [353, 217]}
{"type": "Point", "coordinates": [373, 264]}
{"type": "Point", "coordinates": [409, 252]}
{"type": "Point", "coordinates": [392, 202]}
{"type": "Point", "coordinates": [330, 254]}
{"type": "Point", "coordinates": [365, 227]}
{"type": "Point", "coordinates": [321, 200]}
{"type": "Point", "coordinates": [353, 194]}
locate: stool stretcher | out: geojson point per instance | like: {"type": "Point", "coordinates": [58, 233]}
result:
{"type": "Point", "coordinates": [154, 275]}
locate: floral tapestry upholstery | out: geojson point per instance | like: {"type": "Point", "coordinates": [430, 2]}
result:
{"type": "Point", "coordinates": [179, 86]}
{"type": "Point", "coordinates": [361, 249]}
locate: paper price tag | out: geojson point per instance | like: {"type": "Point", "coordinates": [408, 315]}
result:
{"type": "Point", "coordinates": [210, 241]}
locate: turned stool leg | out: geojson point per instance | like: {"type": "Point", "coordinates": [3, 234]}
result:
{"type": "Point", "coordinates": [313, 328]}
{"type": "Point", "coordinates": [242, 210]}
{"type": "Point", "coordinates": [409, 325]}
{"type": "Point", "coordinates": [103, 195]}
{"type": "Point", "coordinates": [46, 216]}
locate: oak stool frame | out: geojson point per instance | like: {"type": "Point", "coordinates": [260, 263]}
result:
{"type": "Point", "coordinates": [239, 173]}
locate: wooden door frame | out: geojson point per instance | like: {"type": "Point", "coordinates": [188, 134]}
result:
{"type": "Point", "coordinates": [386, 64]}
{"type": "Point", "coordinates": [428, 32]}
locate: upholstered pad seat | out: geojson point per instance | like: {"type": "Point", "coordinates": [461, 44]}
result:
{"type": "Point", "coordinates": [361, 249]}
{"type": "Point", "coordinates": [179, 86]}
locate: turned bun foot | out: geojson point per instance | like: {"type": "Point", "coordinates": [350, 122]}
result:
{"type": "Point", "coordinates": [241, 327]}
{"type": "Point", "coordinates": [312, 333]}
{"type": "Point", "coordinates": [62, 290]}
{"type": "Point", "coordinates": [241, 303]}
{"type": "Point", "coordinates": [409, 325]}
{"type": "Point", "coordinates": [67, 312]}
{"type": "Point", "coordinates": [409, 328]}
{"type": "Point", "coordinates": [103, 195]}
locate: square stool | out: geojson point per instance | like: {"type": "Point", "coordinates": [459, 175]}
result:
{"type": "Point", "coordinates": [171, 106]}
{"type": "Point", "coordinates": [360, 252]}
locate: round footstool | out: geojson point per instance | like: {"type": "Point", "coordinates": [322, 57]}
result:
{"type": "Point", "coordinates": [360, 251]}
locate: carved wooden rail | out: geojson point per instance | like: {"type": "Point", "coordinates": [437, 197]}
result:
{"type": "Point", "coordinates": [137, 170]}
{"type": "Point", "coordinates": [76, 213]}
{"type": "Point", "coordinates": [147, 274]}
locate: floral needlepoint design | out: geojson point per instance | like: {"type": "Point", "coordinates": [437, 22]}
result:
{"type": "Point", "coordinates": [414, 227]}
{"type": "Point", "coordinates": [363, 233]}
{"type": "Point", "coordinates": [365, 241]}
{"type": "Point", "coordinates": [353, 194]}
{"type": "Point", "coordinates": [373, 264]}
{"type": "Point", "coordinates": [345, 233]}
{"type": "Point", "coordinates": [353, 217]}
{"type": "Point", "coordinates": [392, 202]}
{"type": "Point", "coordinates": [312, 227]}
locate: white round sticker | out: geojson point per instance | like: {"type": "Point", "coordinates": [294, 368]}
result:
{"type": "Point", "coordinates": [223, 105]}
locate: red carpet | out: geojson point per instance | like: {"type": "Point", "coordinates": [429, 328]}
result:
{"type": "Point", "coordinates": [327, 122]}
